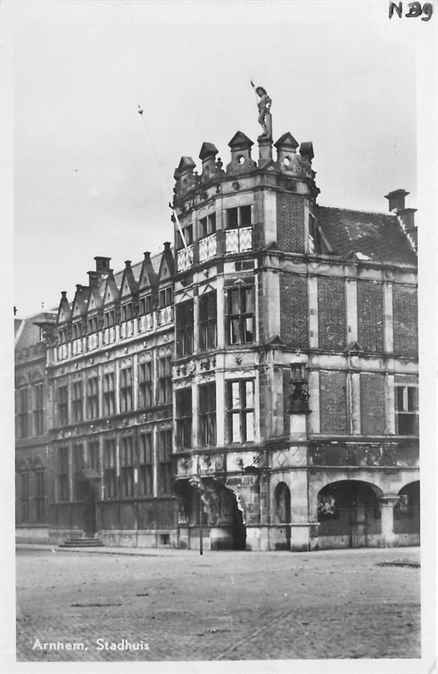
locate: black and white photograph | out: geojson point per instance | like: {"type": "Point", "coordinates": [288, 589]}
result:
{"type": "Point", "coordinates": [221, 298]}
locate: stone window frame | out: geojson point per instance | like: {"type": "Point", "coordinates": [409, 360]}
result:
{"type": "Point", "coordinates": [164, 457]}
{"type": "Point", "coordinates": [183, 417]}
{"type": "Point", "coordinates": [237, 408]}
{"type": "Point", "coordinates": [92, 397]}
{"type": "Point", "coordinates": [77, 401]}
{"type": "Point", "coordinates": [406, 408]}
{"type": "Point", "coordinates": [126, 389]}
{"type": "Point", "coordinates": [110, 486]}
{"type": "Point", "coordinates": [109, 394]}
{"type": "Point", "coordinates": [207, 414]}
{"type": "Point", "coordinates": [127, 465]}
{"type": "Point", "coordinates": [208, 321]}
{"type": "Point", "coordinates": [184, 328]}
{"type": "Point", "coordinates": [145, 384]}
{"type": "Point", "coordinates": [237, 314]}
{"type": "Point", "coordinates": [146, 464]}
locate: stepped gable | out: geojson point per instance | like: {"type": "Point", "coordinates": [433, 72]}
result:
{"type": "Point", "coordinates": [374, 236]}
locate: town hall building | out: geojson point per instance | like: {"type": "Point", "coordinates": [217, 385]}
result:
{"type": "Point", "coordinates": [256, 380]}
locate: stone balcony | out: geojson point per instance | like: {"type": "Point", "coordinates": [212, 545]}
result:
{"type": "Point", "coordinates": [238, 240]}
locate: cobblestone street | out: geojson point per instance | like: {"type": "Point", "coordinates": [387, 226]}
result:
{"type": "Point", "coordinates": [224, 605]}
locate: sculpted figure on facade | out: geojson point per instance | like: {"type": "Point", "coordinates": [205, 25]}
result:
{"type": "Point", "coordinates": [264, 105]}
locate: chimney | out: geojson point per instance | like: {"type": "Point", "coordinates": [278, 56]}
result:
{"type": "Point", "coordinates": [167, 245]}
{"type": "Point", "coordinates": [93, 278]}
{"type": "Point", "coordinates": [128, 264]}
{"type": "Point", "coordinates": [407, 217]}
{"type": "Point", "coordinates": [102, 264]}
{"type": "Point", "coordinates": [147, 255]}
{"type": "Point", "coordinates": [396, 199]}
{"type": "Point", "coordinates": [63, 294]}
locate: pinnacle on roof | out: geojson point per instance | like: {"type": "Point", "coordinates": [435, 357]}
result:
{"type": "Point", "coordinates": [208, 150]}
{"type": "Point", "coordinates": [239, 140]}
{"type": "Point", "coordinates": [287, 140]}
{"type": "Point", "coordinates": [185, 164]}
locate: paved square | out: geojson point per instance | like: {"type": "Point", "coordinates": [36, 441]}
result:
{"type": "Point", "coordinates": [224, 605]}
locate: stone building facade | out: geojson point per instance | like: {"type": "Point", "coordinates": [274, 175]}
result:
{"type": "Point", "coordinates": [257, 381]}
{"type": "Point", "coordinates": [31, 431]}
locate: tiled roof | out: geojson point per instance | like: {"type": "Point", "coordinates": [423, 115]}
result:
{"type": "Point", "coordinates": [375, 236]}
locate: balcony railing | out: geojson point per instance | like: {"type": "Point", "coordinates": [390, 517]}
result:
{"type": "Point", "coordinates": [76, 346]}
{"type": "Point", "coordinates": [146, 323]}
{"type": "Point", "coordinates": [207, 247]}
{"type": "Point", "coordinates": [238, 240]}
{"type": "Point", "coordinates": [184, 258]}
{"type": "Point", "coordinates": [165, 315]}
{"type": "Point", "coordinates": [92, 341]}
{"type": "Point", "coordinates": [109, 335]}
{"type": "Point", "coordinates": [126, 329]}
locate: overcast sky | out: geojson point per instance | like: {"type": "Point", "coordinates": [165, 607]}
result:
{"type": "Point", "coordinates": [92, 177]}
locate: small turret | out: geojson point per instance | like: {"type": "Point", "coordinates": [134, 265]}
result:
{"type": "Point", "coordinates": [241, 161]}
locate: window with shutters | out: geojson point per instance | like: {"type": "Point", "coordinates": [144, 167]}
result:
{"type": "Point", "coordinates": [240, 410]}
{"type": "Point", "coordinates": [207, 321]}
{"type": "Point", "coordinates": [207, 414]}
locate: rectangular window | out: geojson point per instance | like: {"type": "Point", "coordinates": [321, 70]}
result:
{"type": "Point", "coordinates": [240, 410]}
{"type": "Point", "coordinates": [184, 418]}
{"type": "Point", "coordinates": [38, 410]}
{"type": "Point", "coordinates": [164, 380]}
{"type": "Point", "coordinates": [78, 465]}
{"type": "Point", "coordinates": [23, 413]}
{"type": "Point", "coordinates": [188, 236]}
{"type": "Point", "coordinates": [77, 401]}
{"type": "Point", "coordinates": [207, 321]}
{"type": "Point", "coordinates": [127, 467]}
{"type": "Point", "coordinates": [240, 315]}
{"type": "Point", "coordinates": [238, 217]}
{"type": "Point", "coordinates": [109, 469]}
{"type": "Point", "coordinates": [109, 397]}
{"type": "Point", "coordinates": [92, 398]}
{"type": "Point", "coordinates": [406, 407]}
{"type": "Point", "coordinates": [40, 495]}
{"type": "Point", "coordinates": [145, 462]}
{"type": "Point", "coordinates": [207, 414]}
{"type": "Point", "coordinates": [63, 474]}
{"type": "Point", "coordinates": [207, 225]}
{"type": "Point", "coordinates": [94, 456]}
{"type": "Point", "coordinates": [25, 496]}
{"type": "Point", "coordinates": [165, 462]}
{"type": "Point", "coordinates": [145, 385]}
{"type": "Point", "coordinates": [126, 390]}
{"type": "Point", "coordinates": [165, 297]}
{"type": "Point", "coordinates": [184, 328]}
{"type": "Point", "coordinates": [63, 405]}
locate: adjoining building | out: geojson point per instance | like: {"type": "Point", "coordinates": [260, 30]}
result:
{"type": "Point", "coordinates": [259, 377]}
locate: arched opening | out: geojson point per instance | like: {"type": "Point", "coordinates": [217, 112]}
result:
{"type": "Point", "coordinates": [217, 509]}
{"type": "Point", "coordinates": [348, 514]}
{"type": "Point", "coordinates": [407, 511]}
{"type": "Point", "coordinates": [282, 515]}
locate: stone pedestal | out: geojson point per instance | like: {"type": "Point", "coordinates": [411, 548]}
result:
{"type": "Point", "coordinates": [265, 150]}
{"type": "Point", "coordinates": [387, 504]}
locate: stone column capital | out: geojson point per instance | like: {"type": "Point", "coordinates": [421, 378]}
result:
{"type": "Point", "coordinates": [389, 499]}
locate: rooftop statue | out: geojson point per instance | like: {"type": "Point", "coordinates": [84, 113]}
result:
{"type": "Point", "coordinates": [264, 105]}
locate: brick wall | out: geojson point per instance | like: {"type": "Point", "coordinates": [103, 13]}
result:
{"type": "Point", "coordinates": [372, 403]}
{"type": "Point", "coordinates": [290, 222]}
{"type": "Point", "coordinates": [331, 313]}
{"type": "Point", "coordinates": [293, 309]}
{"type": "Point", "coordinates": [370, 315]}
{"type": "Point", "coordinates": [405, 320]}
{"type": "Point", "coordinates": [333, 402]}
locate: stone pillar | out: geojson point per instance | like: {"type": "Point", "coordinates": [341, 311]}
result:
{"type": "Point", "coordinates": [195, 406]}
{"type": "Point", "coordinates": [355, 403]}
{"type": "Point", "coordinates": [155, 461]}
{"type": "Point", "coordinates": [135, 381]}
{"type": "Point", "coordinates": [314, 416]}
{"type": "Point", "coordinates": [270, 302]}
{"type": "Point", "coordinates": [117, 386]}
{"type": "Point", "coordinates": [301, 524]}
{"type": "Point", "coordinates": [388, 335]}
{"type": "Point", "coordinates": [312, 293]}
{"type": "Point", "coordinates": [265, 150]}
{"type": "Point", "coordinates": [220, 409]}
{"type": "Point", "coordinates": [102, 486]}
{"type": "Point", "coordinates": [387, 503]}
{"type": "Point", "coordinates": [389, 404]}
{"type": "Point", "coordinates": [220, 299]}
{"type": "Point", "coordinates": [351, 309]}
{"type": "Point", "coordinates": [195, 322]}
{"type": "Point", "coordinates": [70, 472]}
{"type": "Point", "coordinates": [100, 390]}
{"type": "Point", "coordinates": [269, 216]}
